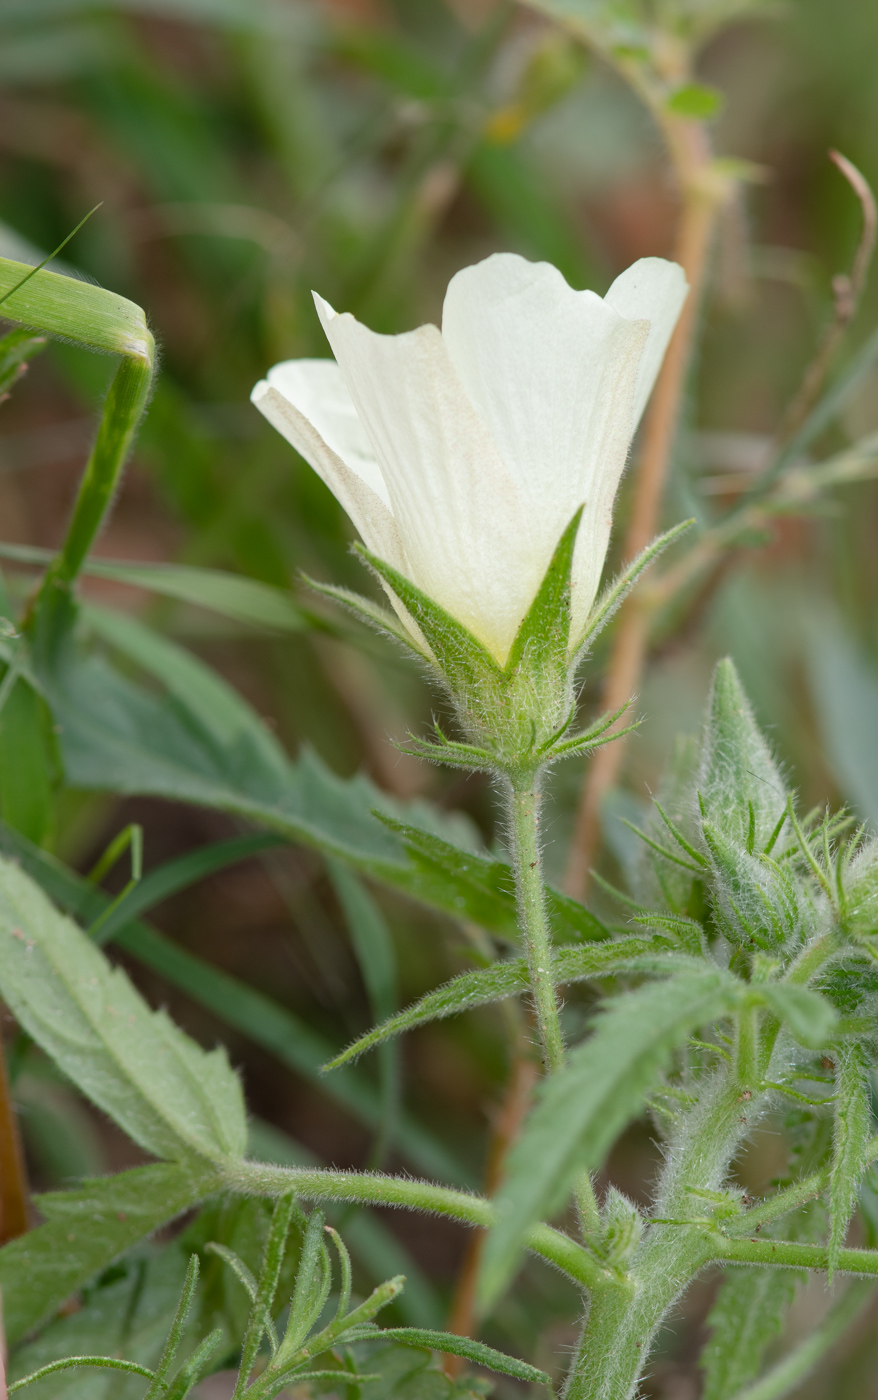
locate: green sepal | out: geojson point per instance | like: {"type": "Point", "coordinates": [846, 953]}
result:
{"type": "Point", "coordinates": [463, 660]}
{"type": "Point", "coordinates": [544, 635]}
{"type": "Point", "coordinates": [578, 745]}
{"type": "Point", "coordinates": [615, 593]}
{"type": "Point", "coordinates": [373, 614]}
{"type": "Point", "coordinates": [449, 752]}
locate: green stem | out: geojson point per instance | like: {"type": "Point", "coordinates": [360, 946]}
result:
{"type": "Point", "coordinates": [125, 403]}
{"type": "Point", "coordinates": [524, 818]}
{"type": "Point", "coordinates": [796, 1367]}
{"type": "Point", "coordinates": [790, 1254]}
{"type": "Point", "coordinates": [524, 799]}
{"type": "Point", "coordinates": [257, 1179]}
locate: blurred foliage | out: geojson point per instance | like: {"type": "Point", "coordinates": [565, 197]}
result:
{"type": "Point", "coordinates": [247, 151]}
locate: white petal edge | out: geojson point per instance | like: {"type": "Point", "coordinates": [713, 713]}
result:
{"type": "Point", "coordinates": [369, 512]}
{"type": "Point", "coordinates": [653, 290]}
{"type": "Point", "coordinates": [462, 521]}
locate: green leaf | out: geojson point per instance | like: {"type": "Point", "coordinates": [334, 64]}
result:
{"type": "Point", "coordinates": [74, 310]}
{"type": "Point", "coordinates": [170, 1096]}
{"type": "Point", "coordinates": [544, 635]}
{"type": "Point", "coordinates": [462, 658]}
{"type": "Point", "coordinates": [582, 1109]}
{"type": "Point", "coordinates": [85, 1230]}
{"type": "Point", "coordinates": [852, 1133]}
{"type": "Point", "coordinates": [738, 774]}
{"type": "Point", "coordinates": [695, 100]}
{"type": "Point", "coordinates": [747, 1315]}
{"type": "Point", "coordinates": [234, 596]}
{"type": "Point", "coordinates": [26, 763]}
{"type": "Point", "coordinates": [812, 1019]}
{"type": "Point", "coordinates": [507, 979]}
{"type": "Point", "coordinates": [451, 1345]}
{"type": "Point", "coordinates": [264, 1021]}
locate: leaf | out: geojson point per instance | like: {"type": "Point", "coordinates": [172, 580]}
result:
{"type": "Point", "coordinates": [582, 1109]}
{"type": "Point", "coordinates": [202, 743]}
{"type": "Point", "coordinates": [266, 1022]}
{"type": "Point", "coordinates": [747, 1315]}
{"type": "Point", "coordinates": [451, 1345]}
{"type": "Point", "coordinates": [696, 101]}
{"type": "Point", "coordinates": [127, 1313]}
{"type": "Point", "coordinates": [168, 1094]}
{"type": "Point", "coordinates": [74, 310]}
{"type": "Point", "coordinates": [851, 1137]}
{"type": "Point", "coordinates": [544, 634]}
{"type": "Point", "coordinates": [506, 979]}
{"type": "Point", "coordinates": [26, 763]}
{"type": "Point", "coordinates": [235, 596]}
{"type": "Point", "coordinates": [812, 1019]}
{"type": "Point", "coordinates": [86, 1229]}
{"type": "Point", "coordinates": [738, 774]}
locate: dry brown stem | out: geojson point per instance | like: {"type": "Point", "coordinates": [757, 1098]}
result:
{"type": "Point", "coordinates": [702, 194]}
{"type": "Point", "coordinates": [13, 1179]}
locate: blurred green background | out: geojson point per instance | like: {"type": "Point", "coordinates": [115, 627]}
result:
{"type": "Point", "coordinates": [246, 152]}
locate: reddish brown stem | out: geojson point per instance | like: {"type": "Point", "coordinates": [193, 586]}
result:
{"type": "Point", "coordinates": [13, 1178]}
{"type": "Point", "coordinates": [702, 197]}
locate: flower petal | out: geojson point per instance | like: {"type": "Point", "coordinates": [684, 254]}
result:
{"type": "Point", "coordinates": [654, 290]}
{"type": "Point", "coordinates": [465, 530]}
{"type": "Point", "coordinates": [552, 373]}
{"type": "Point", "coordinates": [306, 400]}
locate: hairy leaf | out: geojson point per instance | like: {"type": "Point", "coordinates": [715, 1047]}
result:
{"type": "Point", "coordinates": [168, 1094]}
{"type": "Point", "coordinates": [811, 1018]}
{"type": "Point", "coordinates": [452, 1345]}
{"type": "Point", "coordinates": [86, 1230]}
{"type": "Point", "coordinates": [507, 979]}
{"type": "Point", "coordinates": [850, 1143]}
{"type": "Point", "coordinates": [264, 1021]}
{"type": "Point", "coordinates": [582, 1109]}
{"type": "Point", "coordinates": [747, 1315]}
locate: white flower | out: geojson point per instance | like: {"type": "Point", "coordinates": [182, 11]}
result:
{"type": "Point", "coordinates": [461, 455]}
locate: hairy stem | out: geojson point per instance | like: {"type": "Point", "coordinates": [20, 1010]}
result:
{"type": "Point", "coordinates": [258, 1179]}
{"type": "Point", "coordinates": [524, 819]}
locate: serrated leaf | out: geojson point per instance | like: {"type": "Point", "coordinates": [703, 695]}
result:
{"type": "Point", "coordinates": [811, 1018]}
{"type": "Point", "coordinates": [583, 1108]}
{"type": "Point", "coordinates": [738, 774]}
{"type": "Point", "coordinates": [850, 1144]}
{"type": "Point", "coordinates": [747, 1315]}
{"type": "Point", "coordinates": [168, 1094]}
{"type": "Point", "coordinates": [86, 1230]}
{"type": "Point", "coordinates": [544, 635]}
{"type": "Point", "coordinates": [249, 1011]}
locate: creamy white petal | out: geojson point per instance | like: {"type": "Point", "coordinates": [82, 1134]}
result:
{"type": "Point", "coordinates": [654, 290]}
{"type": "Point", "coordinates": [468, 535]}
{"type": "Point", "coordinates": [312, 410]}
{"type": "Point", "coordinates": [552, 373]}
